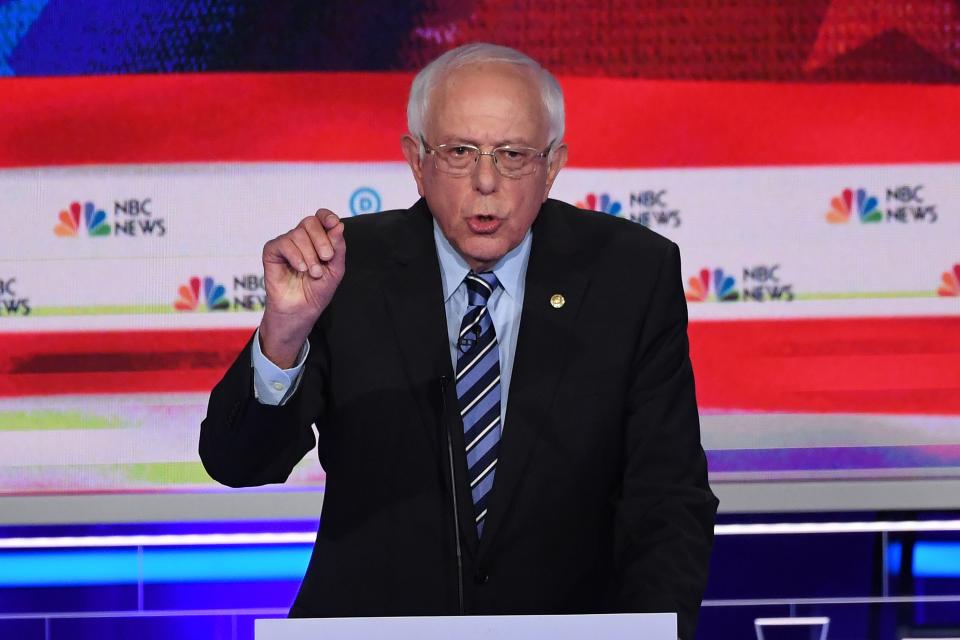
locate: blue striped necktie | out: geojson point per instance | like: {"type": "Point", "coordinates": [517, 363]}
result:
{"type": "Point", "coordinates": [478, 390]}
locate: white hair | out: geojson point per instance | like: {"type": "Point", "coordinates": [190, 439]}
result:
{"type": "Point", "coordinates": [479, 53]}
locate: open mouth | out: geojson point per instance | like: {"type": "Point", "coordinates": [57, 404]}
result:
{"type": "Point", "coordinates": [483, 223]}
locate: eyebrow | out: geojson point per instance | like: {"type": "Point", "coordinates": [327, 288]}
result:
{"type": "Point", "coordinates": [500, 143]}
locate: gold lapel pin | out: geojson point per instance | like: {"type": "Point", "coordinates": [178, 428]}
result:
{"type": "Point", "coordinates": [557, 301]}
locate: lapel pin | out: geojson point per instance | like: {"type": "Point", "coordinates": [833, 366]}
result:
{"type": "Point", "coordinates": [557, 301]}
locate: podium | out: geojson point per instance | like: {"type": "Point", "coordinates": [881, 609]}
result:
{"type": "Point", "coordinates": [617, 626]}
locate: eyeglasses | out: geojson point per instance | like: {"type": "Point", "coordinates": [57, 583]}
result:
{"type": "Point", "coordinates": [460, 159]}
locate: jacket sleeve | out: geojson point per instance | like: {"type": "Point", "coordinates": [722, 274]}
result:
{"type": "Point", "coordinates": [244, 443]}
{"type": "Point", "coordinates": [666, 512]}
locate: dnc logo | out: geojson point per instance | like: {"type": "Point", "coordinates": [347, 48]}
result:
{"type": "Point", "coordinates": [843, 206]}
{"type": "Point", "coordinates": [94, 220]}
{"type": "Point", "coordinates": [214, 296]}
{"type": "Point", "coordinates": [365, 200]}
{"type": "Point", "coordinates": [605, 204]}
{"type": "Point", "coordinates": [724, 287]}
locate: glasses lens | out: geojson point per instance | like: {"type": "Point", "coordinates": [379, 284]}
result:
{"type": "Point", "coordinates": [456, 159]}
{"type": "Point", "coordinates": [515, 161]}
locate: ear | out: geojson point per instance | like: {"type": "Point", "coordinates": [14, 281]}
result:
{"type": "Point", "coordinates": [557, 159]}
{"type": "Point", "coordinates": [411, 151]}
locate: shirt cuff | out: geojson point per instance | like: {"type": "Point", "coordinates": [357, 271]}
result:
{"type": "Point", "coordinates": [271, 384]}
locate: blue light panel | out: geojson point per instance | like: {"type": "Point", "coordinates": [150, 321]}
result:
{"type": "Point", "coordinates": [930, 559]}
{"type": "Point", "coordinates": [62, 567]}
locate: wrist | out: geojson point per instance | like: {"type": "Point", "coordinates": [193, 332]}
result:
{"type": "Point", "coordinates": [281, 339]}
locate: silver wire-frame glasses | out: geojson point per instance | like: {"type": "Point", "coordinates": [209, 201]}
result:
{"type": "Point", "coordinates": [459, 159]}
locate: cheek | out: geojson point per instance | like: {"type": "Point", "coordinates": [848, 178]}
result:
{"type": "Point", "coordinates": [527, 220]}
{"type": "Point", "coordinates": [452, 193]}
{"type": "Point", "coordinates": [527, 201]}
{"type": "Point", "coordinates": [445, 204]}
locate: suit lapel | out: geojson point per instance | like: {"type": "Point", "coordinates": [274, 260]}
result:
{"type": "Point", "coordinates": [545, 329]}
{"type": "Point", "coordinates": [414, 297]}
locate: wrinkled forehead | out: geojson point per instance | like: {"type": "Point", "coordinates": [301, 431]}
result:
{"type": "Point", "coordinates": [492, 99]}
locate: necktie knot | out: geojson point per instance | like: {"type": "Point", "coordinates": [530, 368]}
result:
{"type": "Point", "coordinates": [480, 286]}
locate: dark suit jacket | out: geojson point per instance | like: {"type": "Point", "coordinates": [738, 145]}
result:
{"type": "Point", "coordinates": [600, 503]}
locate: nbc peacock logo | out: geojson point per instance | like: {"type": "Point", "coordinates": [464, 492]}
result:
{"type": "Point", "coordinates": [214, 296]}
{"type": "Point", "coordinates": [94, 220]}
{"type": "Point", "coordinates": [604, 204]}
{"type": "Point", "coordinates": [724, 287]}
{"type": "Point", "coordinates": [950, 282]}
{"type": "Point", "coordinates": [843, 206]}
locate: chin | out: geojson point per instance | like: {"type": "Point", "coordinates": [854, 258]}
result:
{"type": "Point", "coordinates": [484, 250]}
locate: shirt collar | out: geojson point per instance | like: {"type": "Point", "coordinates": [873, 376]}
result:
{"type": "Point", "coordinates": [453, 268]}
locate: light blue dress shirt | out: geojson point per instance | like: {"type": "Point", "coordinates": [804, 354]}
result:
{"type": "Point", "coordinates": [274, 386]}
{"type": "Point", "coordinates": [504, 305]}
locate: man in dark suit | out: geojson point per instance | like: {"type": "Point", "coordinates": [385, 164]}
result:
{"type": "Point", "coordinates": [500, 381]}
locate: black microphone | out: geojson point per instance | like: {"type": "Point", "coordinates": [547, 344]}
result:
{"type": "Point", "coordinates": [453, 485]}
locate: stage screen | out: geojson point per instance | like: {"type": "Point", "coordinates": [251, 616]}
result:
{"type": "Point", "coordinates": [808, 170]}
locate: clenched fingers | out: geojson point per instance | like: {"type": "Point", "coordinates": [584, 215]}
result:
{"type": "Point", "coordinates": [334, 233]}
{"type": "Point", "coordinates": [283, 249]}
{"type": "Point", "coordinates": [318, 233]}
{"type": "Point", "coordinates": [316, 240]}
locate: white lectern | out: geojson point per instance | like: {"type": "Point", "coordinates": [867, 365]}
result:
{"type": "Point", "coordinates": [618, 626]}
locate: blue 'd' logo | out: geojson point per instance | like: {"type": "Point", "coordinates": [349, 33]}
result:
{"type": "Point", "coordinates": [364, 200]}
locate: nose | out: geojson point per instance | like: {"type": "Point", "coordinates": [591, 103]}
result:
{"type": "Point", "coordinates": [485, 175]}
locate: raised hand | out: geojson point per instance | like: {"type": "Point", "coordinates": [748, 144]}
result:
{"type": "Point", "coordinates": [302, 269]}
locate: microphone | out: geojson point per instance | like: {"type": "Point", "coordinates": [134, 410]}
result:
{"type": "Point", "coordinates": [453, 485]}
